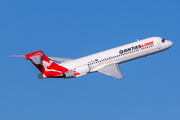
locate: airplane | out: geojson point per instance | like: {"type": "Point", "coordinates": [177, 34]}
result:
{"type": "Point", "coordinates": [106, 62]}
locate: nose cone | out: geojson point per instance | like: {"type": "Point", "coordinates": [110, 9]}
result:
{"type": "Point", "coordinates": [169, 43]}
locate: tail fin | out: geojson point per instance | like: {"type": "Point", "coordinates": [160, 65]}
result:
{"type": "Point", "coordinates": [45, 65]}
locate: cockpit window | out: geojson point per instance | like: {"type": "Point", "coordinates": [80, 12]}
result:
{"type": "Point", "coordinates": [163, 40]}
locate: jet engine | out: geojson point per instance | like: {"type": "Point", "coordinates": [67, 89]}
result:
{"type": "Point", "coordinates": [69, 74]}
{"type": "Point", "coordinates": [82, 70]}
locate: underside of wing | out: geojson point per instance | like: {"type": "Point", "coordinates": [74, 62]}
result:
{"type": "Point", "coordinates": [112, 70]}
{"type": "Point", "coordinates": [60, 59]}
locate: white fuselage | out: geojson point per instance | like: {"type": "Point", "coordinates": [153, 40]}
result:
{"type": "Point", "coordinates": [120, 54]}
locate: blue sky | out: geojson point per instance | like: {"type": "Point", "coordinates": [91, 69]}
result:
{"type": "Point", "coordinates": [72, 29]}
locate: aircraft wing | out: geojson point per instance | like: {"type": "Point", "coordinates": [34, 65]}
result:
{"type": "Point", "coordinates": [60, 59]}
{"type": "Point", "coordinates": [112, 70]}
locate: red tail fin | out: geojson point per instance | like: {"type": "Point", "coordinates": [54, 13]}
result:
{"type": "Point", "coordinates": [45, 65]}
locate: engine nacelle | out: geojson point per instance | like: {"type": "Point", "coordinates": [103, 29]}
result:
{"type": "Point", "coordinates": [69, 74]}
{"type": "Point", "coordinates": [82, 70]}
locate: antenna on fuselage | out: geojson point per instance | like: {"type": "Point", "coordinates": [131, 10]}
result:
{"type": "Point", "coordinates": [137, 40]}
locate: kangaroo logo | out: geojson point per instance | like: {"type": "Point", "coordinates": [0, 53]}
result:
{"type": "Point", "coordinates": [47, 64]}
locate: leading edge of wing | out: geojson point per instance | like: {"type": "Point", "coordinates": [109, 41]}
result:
{"type": "Point", "coordinates": [60, 59]}
{"type": "Point", "coordinates": [112, 70]}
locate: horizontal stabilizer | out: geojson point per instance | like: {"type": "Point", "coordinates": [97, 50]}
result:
{"type": "Point", "coordinates": [52, 58]}
{"type": "Point", "coordinates": [17, 56]}
{"type": "Point", "coordinates": [60, 59]}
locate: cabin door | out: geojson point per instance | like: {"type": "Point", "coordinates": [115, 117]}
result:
{"type": "Point", "coordinates": [159, 45]}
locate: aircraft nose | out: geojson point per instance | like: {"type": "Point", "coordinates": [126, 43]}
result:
{"type": "Point", "coordinates": [170, 43]}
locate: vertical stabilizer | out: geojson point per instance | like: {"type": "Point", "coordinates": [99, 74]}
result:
{"type": "Point", "coordinates": [45, 65]}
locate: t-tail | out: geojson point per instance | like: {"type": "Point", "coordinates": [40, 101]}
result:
{"type": "Point", "coordinates": [47, 67]}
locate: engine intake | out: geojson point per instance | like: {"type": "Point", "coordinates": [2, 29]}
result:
{"type": "Point", "coordinates": [69, 74]}
{"type": "Point", "coordinates": [82, 70]}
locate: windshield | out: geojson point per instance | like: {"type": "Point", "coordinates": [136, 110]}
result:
{"type": "Point", "coordinates": [163, 40]}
